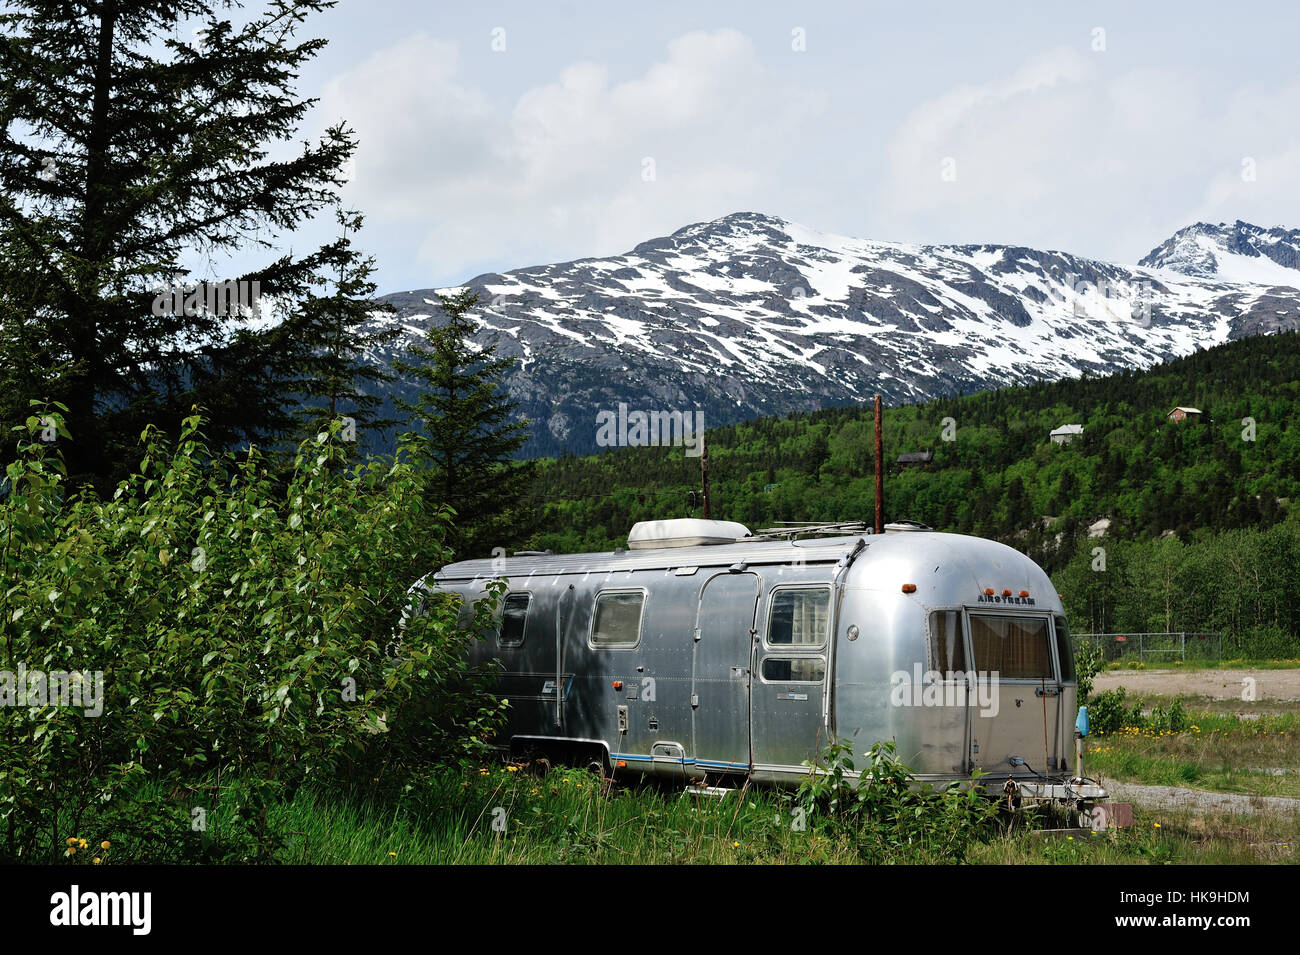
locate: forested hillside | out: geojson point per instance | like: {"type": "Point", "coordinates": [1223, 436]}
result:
{"type": "Point", "coordinates": [1178, 493]}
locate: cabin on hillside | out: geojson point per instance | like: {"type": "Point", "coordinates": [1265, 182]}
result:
{"type": "Point", "coordinates": [1184, 414]}
{"type": "Point", "coordinates": [1066, 433]}
{"type": "Point", "coordinates": [913, 458]}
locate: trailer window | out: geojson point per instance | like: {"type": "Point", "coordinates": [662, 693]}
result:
{"type": "Point", "coordinates": [947, 644]}
{"type": "Point", "coordinates": [799, 618]}
{"type": "Point", "coordinates": [514, 616]}
{"type": "Point", "coordinates": [794, 669]}
{"type": "Point", "coordinates": [1015, 648]}
{"type": "Point", "coordinates": [1064, 650]}
{"type": "Point", "coordinates": [617, 620]}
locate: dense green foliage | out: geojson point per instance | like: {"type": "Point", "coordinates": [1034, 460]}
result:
{"type": "Point", "coordinates": [247, 639]}
{"type": "Point", "coordinates": [1220, 485]}
{"type": "Point", "coordinates": [1239, 583]}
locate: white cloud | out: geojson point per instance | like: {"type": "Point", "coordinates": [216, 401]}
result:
{"type": "Point", "coordinates": [1067, 149]}
{"type": "Point", "coordinates": [560, 172]}
{"type": "Point", "coordinates": [1063, 151]}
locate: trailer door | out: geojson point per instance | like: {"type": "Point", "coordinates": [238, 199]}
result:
{"type": "Point", "coordinates": [720, 672]}
{"type": "Point", "coordinates": [790, 682]}
{"type": "Point", "coordinates": [1014, 714]}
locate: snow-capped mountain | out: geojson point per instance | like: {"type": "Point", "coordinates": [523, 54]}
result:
{"type": "Point", "coordinates": [1240, 252]}
{"type": "Point", "coordinates": [753, 315]}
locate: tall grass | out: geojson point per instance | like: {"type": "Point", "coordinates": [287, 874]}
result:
{"type": "Point", "coordinates": [572, 817]}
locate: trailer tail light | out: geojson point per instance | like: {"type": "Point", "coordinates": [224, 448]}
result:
{"type": "Point", "coordinates": [988, 591]}
{"type": "Point", "coordinates": [622, 764]}
{"type": "Point", "coordinates": [618, 684]}
{"type": "Point", "coordinates": [909, 588]}
{"type": "Point", "coordinates": [1024, 593]}
{"type": "Point", "coordinates": [1006, 593]}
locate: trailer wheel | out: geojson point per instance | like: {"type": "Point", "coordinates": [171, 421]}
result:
{"type": "Point", "coordinates": [596, 765]}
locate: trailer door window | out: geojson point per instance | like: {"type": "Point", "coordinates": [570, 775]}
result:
{"type": "Point", "coordinates": [514, 616]}
{"type": "Point", "coordinates": [617, 620]}
{"type": "Point", "coordinates": [794, 669]}
{"type": "Point", "coordinates": [1015, 648]}
{"type": "Point", "coordinates": [799, 617]}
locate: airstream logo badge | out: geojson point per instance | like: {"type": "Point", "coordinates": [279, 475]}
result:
{"type": "Point", "coordinates": [995, 599]}
{"type": "Point", "coordinates": [933, 688]}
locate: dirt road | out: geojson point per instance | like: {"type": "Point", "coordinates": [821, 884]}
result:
{"type": "Point", "coordinates": [1276, 686]}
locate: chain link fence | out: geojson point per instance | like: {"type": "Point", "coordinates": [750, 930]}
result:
{"type": "Point", "coordinates": [1156, 647]}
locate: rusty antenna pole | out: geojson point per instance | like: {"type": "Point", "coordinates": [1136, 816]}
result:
{"type": "Point", "coordinates": [880, 474]}
{"type": "Point", "coordinates": [704, 474]}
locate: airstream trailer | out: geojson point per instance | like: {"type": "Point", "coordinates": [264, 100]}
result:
{"type": "Point", "coordinates": [704, 652]}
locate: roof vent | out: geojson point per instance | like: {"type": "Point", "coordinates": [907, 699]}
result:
{"type": "Point", "coordinates": [684, 532]}
{"type": "Point", "coordinates": [907, 526]}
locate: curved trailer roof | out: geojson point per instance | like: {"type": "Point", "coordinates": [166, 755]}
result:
{"type": "Point", "coordinates": [816, 550]}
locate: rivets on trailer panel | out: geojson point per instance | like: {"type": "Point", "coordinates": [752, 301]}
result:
{"type": "Point", "coordinates": [853, 631]}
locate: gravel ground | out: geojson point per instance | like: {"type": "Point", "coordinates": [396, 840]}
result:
{"type": "Point", "coordinates": [1198, 800]}
{"type": "Point", "coordinates": [1279, 686]}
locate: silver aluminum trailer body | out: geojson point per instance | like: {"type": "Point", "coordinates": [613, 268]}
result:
{"type": "Point", "coordinates": [745, 658]}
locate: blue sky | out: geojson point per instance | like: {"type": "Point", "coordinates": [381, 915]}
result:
{"type": "Point", "coordinates": [500, 135]}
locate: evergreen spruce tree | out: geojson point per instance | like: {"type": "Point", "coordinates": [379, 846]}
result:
{"type": "Point", "coordinates": [130, 146]}
{"type": "Point", "coordinates": [466, 438]}
{"type": "Point", "coordinates": [336, 379]}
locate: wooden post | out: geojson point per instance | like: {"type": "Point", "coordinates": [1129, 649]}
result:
{"type": "Point", "coordinates": [880, 474]}
{"type": "Point", "coordinates": [704, 474]}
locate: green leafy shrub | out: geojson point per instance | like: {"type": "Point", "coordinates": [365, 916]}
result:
{"type": "Point", "coordinates": [244, 631]}
{"type": "Point", "coordinates": [887, 814]}
{"type": "Point", "coordinates": [1171, 720]}
{"type": "Point", "coordinates": [1088, 662]}
{"type": "Point", "coordinates": [1107, 712]}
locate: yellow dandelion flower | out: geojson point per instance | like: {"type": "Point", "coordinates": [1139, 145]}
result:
{"type": "Point", "coordinates": [97, 860]}
{"type": "Point", "coordinates": [72, 840]}
{"type": "Point", "coordinates": [72, 850]}
{"type": "Point", "coordinates": [1156, 824]}
{"type": "Point", "coordinates": [735, 845]}
{"type": "Point", "coordinates": [104, 844]}
{"type": "Point", "coordinates": [512, 769]}
{"type": "Point", "coordinates": [84, 844]}
{"type": "Point", "coordinates": [392, 853]}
